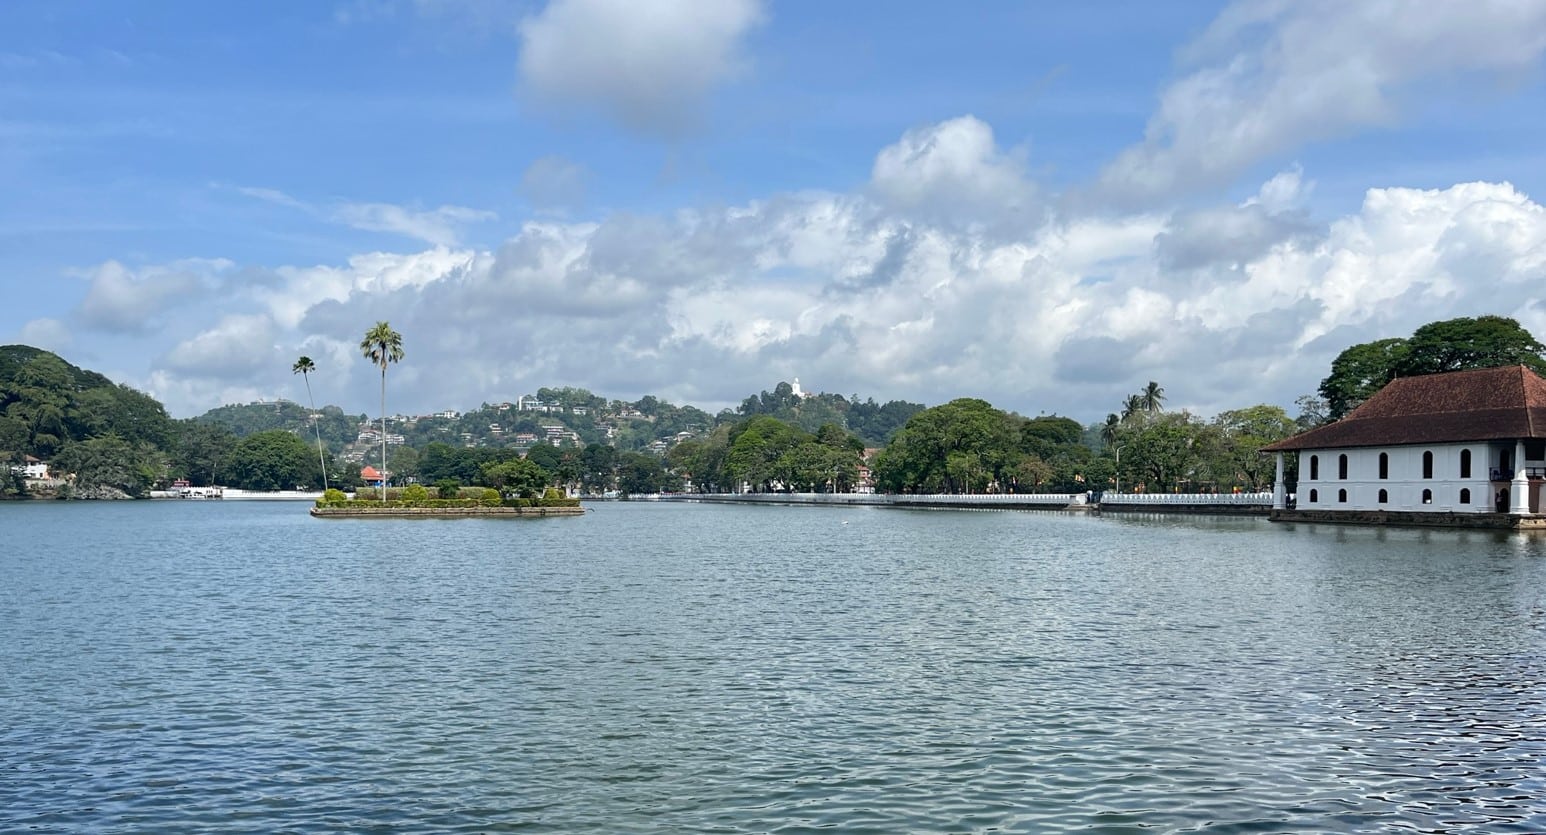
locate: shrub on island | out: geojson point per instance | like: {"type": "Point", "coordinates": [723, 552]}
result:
{"type": "Point", "coordinates": [417, 496]}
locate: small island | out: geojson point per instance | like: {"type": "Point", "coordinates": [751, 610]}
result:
{"type": "Point", "coordinates": [415, 502]}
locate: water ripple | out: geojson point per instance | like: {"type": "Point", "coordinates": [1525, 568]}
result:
{"type": "Point", "coordinates": [654, 668]}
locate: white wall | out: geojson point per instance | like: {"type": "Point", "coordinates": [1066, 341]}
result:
{"type": "Point", "coordinates": [1405, 483]}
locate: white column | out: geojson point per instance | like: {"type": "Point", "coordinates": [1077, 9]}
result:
{"type": "Point", "coordinates": [1279, 494]}
{"type": "Point", "coordinates": [1519, 490]}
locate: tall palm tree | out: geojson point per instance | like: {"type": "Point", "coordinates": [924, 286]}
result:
{"type": "Point", "coordinates": [1153, 397]}
{"type": "Point", "coordinates": [382, 345]}
{"type": "Point", "coordinates": [304, 366]}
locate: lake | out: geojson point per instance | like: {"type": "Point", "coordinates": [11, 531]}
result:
{"type": "Point", "coordinates": [232, 666]}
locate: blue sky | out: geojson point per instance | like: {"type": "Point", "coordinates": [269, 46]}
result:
{"type": "Point", "coordinates": [1044, 205]}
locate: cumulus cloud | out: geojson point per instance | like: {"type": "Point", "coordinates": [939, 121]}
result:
{"type": "Point", "coordinates": [238, 344]}
{"type": "Point", "coordinates": [122, 299]}
{"type": "Point", "coordinates": [861, 293]}
{"type": "Point", "coordinates": [1269, 76]}
{"type": "Point", "coordinates": [647, 65]}
{"type": "Point", "coordinates": [955, 171]}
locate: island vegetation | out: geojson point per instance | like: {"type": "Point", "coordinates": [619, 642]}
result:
{"type": "Point", "coordinates": [103, 439]}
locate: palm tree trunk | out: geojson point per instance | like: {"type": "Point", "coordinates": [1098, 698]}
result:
{"type": "Point", "coordinates": [383, 434]}
{"type": "Point", "coordinates": [321, 460]}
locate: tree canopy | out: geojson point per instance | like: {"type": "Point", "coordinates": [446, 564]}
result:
{"type": "Point", "coordinates": [1451, 345]}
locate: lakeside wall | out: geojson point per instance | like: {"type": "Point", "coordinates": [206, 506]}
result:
{"type": "Point", "coordinates": [992, 501]}
{"type": "Point", "coordinates": [1254, 504]}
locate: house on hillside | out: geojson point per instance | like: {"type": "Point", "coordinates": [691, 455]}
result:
{"type": "Point", "coordinates": [32, 468]}
{"type": "Point", "coordinates": [1465, 442]}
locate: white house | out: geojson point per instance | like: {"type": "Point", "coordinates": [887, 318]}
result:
{"type": "Point", "coordinates": [1461, 442]}
{"type": "Point", "coordinates": [32, 468]}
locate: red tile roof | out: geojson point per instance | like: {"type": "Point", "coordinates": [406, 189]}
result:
{"type": "Point", "coordinates": [370, 474]}
{"type": "Point", "coordinates": [1481, 405]}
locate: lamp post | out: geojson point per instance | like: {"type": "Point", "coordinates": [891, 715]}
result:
{"type": "Point", "coordinates": [1118, 448]}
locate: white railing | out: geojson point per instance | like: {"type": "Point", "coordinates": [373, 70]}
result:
{"type": "Point", "coordinates": [1217, 499]}
{"type": "Point", "coordinates": [919, 499]}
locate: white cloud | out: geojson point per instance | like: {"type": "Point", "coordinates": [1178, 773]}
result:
{"type": "Point", "coordinates": [1224, 305]}
{"type": "Point", "coordinates": [45, 333]}
{"type": "Point", "coordinates": [125, 300]}
{"type": "Point", "coordinates": [955, 171]}
{"type": "Point", "coordinates": [1272, 75]}
{"type": "Point", "coordinates": [647, 65]}
{"type": "Point", "coordinates": [238, 344]}
{"type": "Point", "coordinates": [441, 227]}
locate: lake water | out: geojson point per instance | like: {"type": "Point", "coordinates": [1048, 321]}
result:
{"type": "Point", "coordinates": [186, 666]}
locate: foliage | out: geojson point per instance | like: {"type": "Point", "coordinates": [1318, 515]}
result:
{"type": "Point", "coordinates": [336, 428]}
{"type": "Point", "coordinates": [112, 462]}
{"type": "Point", "coordinates": [521, 477]}
{"type": "Point", "coordinates": [200, 451]}
{"type": "Point", "coordinates": [274, 460]}
{"type": "Point", "coordinates": [1450, 345]}
{"type": "Point", "coordinates": [1358, 372]}
{"type": "Point", "coordinates": [959, 447]}
{"type": "Point", "coordinates": [47, 403]}
{"type": "Point", "coordinates": [415, 493]}
{"type": "Point", "coordinates": [447, 488]}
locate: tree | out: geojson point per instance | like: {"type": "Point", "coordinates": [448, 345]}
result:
{"type": "Point", "coordinates": [958, 446]}
{"type": "Point", "coordinates": [382, 346]}
{"type": "Point", "coordinates": [1461, 344]}
{"type": "Point", "coordinates": [273, 460]}
{"type": "Point", "coordinates": [113, 463]}
{"type": "Point", "coordinates": [201, 450]}
{"type": "Point", "coordinates": [1450, 345]}
{"type": "Point", "coordinates": [1358, 372]}
{"type": "Point", "coordinates": [1111, 429]}
{"type": "Point", "coordinates": [519, 476]}
{"type": "Point", "coordinates": [304, 366]}
{"type": "Point", "coordinates": [1132, 408]}
{"type": "Point", "coordinates": [1153, 397]}
{"type": "Point", "coordinates": [1243, 433]}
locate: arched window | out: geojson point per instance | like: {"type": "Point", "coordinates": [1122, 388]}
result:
{"type": "Point", "coordinates": [1427, 463]}
{"type": "Point", "coordinates": [1384, 497]}
{"type": "Point", "coordinates": [1427, 497]}
{"type": "Point", "coordinates": [1314, 494]}
{"type": "Point", "coordinates": [1384, 466]}
{"type": "Point", "coordinates": [1315, 468]}
{"type": "Point", "coordinates": [1465, 494]}
{"type": "Point", "coordinates": [1465, 463]}
{"type": "Point", "coordinates": [1342, 466]}
{"type": "Point", "coordinates": [1342, 496]}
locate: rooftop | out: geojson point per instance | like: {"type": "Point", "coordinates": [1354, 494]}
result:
{"type": "Point", "coordinates": [1480, 405]}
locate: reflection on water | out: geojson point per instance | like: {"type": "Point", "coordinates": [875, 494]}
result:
{"type": "Point", "coordinates": [653, 667]}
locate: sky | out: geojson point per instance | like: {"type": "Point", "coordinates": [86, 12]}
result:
{"type": "Point", "coordinates": [1043, 205]}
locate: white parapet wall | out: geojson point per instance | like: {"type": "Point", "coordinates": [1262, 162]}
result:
{"type": "Point", "coordinates": [1189, 499]}
{"type": "Point", "coordinates": [983, 501]}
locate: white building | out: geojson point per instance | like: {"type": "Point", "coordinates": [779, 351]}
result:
{"type": "Point", "coordinates": [1461, 442]}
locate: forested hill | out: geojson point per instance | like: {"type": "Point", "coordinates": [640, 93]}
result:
{"type": "Point", "coordinates": [242, 420]}
{"type": "Point", "coordinates": [46, 403]}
